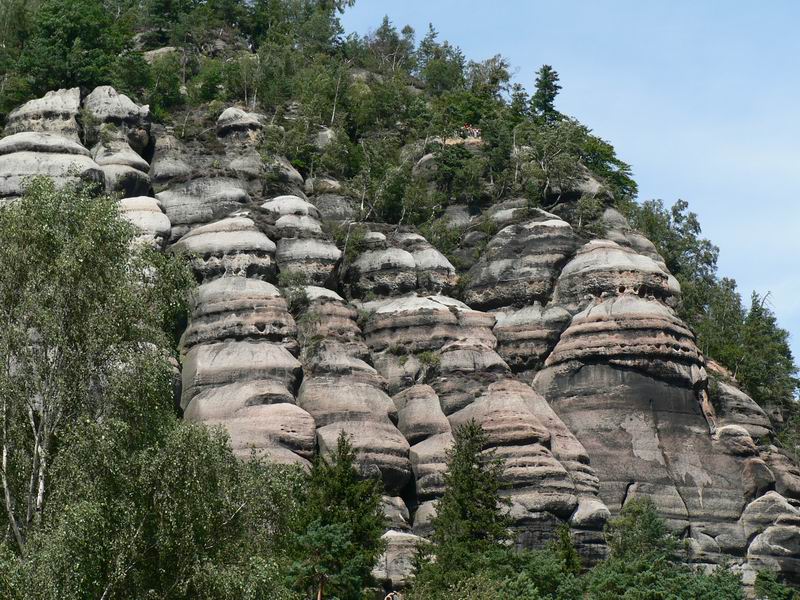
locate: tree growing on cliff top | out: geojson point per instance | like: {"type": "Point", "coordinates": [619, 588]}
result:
{"type": "Point", "coordinates": [543, 101]}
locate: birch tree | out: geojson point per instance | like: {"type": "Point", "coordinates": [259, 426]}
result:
{"type": "Point", "coordinates": [77, 304]}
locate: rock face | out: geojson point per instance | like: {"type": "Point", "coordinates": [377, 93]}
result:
{"type": "Point", "coordinates": [56, 112]}
{"type": "Point", "coordinates": [303, 248]}
{"type": "Point", "coordinates": [28, 154]}
{"type": "Point", "coordinates": [567, 351]}
{"type": "Point", "coordinates": [521, 263]}
{"type": "Point", "coordinates": [146, 214]}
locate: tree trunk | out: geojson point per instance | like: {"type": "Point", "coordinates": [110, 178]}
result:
{"type": "Point", "coordinates": [12, 518]}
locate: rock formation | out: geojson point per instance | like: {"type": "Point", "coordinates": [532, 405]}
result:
{"type": "Point", "coordinates": [568, 351]}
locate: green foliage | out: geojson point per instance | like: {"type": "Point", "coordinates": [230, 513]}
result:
{"type": "Point", "coordinates": [440, 65]}
{"type": "Point", "coordinates": [644, 563]}
{"type": "Point", "coordinates": [293, 284]}
{"type": "Point", "coordinates": [547, 88]}
{"type": "Point", "coordinates": [469, 519]}
{"type": "Point", "coordinates": [459, 172]}
{"type": "Point", "coordinates": [429, 359]}
{"type": "Point", "coordinates": [78, 305]}
{"type": "Point", "coordinates": [209, 80]}
{"type": "Point", "coordinates": [767, 368]}
{"type": "Point", "coordinates": [165, 85]}
{"type": "Point", "coordinates": [769, 588]}
{"type": "Point", "coordinates": [175, 515]}
{"type": "Point", "coordinates": [748, 341]}
{"type": "Point", "coordinates": [127, 501]}
{"type": "Point", "coordinates": [339, 533]}
{"type": "Point", "coordinates": [72, 43]}
{"type": "Point", "coordinates": [587, 216]}
{"type": "Point", "coordinates": [350, 238]}
{"type": "Point", "coordinates": [563, 548]}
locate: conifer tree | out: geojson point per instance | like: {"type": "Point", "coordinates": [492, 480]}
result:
{"type": "Point", "coordinates": [547, 88]}
{"type": "Point", "coordinates": [339, 538]}
{"type": "Point", "coordinates": [470, 522]}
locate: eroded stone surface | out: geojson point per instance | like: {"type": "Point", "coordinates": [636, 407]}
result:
{"type": "Point", "coordinates": [55, 112]}
{"type": "Point", "coordinates": [232, 246]}
{"type": "Point", "coordinates": [146, 214]}
{"type": "Point", "coordinates": [520, 264]}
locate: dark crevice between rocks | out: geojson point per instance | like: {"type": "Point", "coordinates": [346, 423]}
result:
{"type": "Point", "coordinates": [668, 462]}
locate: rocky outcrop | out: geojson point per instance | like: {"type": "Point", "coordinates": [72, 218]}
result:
{"type": "Point", "coordinates": [148, 217]}
{"type": "Point", "coordinates": [422, 422]}
{"type": "Point", "coordinates": [232, 246]}
{"type": "Point", "coordinates": [526, 337]}
{"type": "Point", "coordinates": [346, 394]}
{"type": "Point", "coordinates": [239, 371]}
{"type": "Point", "coordinates": [29, 154]}
{"type": "Point", "coordinates": [303, 248]}
{"type": "Point", "coordinates": [602, 268]}
{"type": "Point", "coordinates": [125, 171]}
{"type": "Point", "coordinates": [521, 263]}
{"type": "Point", "coordinates": [733, 407]}
{"type": "Point", "coordinates": [56, 112]}
{"type": "Point", "coordinates": [114, 115]}
{"type": "Point", "coordinates": [567, 351]}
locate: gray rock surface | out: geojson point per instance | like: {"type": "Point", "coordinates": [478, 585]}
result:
{"type": "Point", "coordinates": [520, 264]}
{"type": "Point", "coordinates": [146, 214]}
{"type": "Point", "coordinates": [55, 112]}
{"type": "Point", "coordinates": [232, 246]}
{"type": "Point", "coordinates": [63, 169]}
{"type": "Point", "coordinates": [569, 353]}
{"type": "Point", "coordinates": [113, 114]}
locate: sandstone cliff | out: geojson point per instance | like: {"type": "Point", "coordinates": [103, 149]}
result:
{"type": "Point", "coordinates": [567, 350]}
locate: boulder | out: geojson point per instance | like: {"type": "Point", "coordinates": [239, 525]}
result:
{"type": "Point", "coordinates": [63, 168]}
{"type": "Point", "coordinates": [335, 207]}
{"type": "Point", "coordinates": [234, 120]}
{"type": "Point", "coordinates": [289, 205]}
{"type": "Point", "coordinates": [733, 407]}
{"type": "Point", "coordinates": [169, 164]}
{"type": "Point", "coordinates": [382, 272]}
{"type": "Point", "coordinates": [125, 171]}
{"type": "Point", "coordinates": [632, 332]}
{"type": "Point", "coordinates": [395, 567]}
{"type": "Point", "coordinates": [435, 273]}
{"type": "Point", "coordinates": [315, 259]}
{"type": "Point", "coordinates": [419, 413]}
{"type": "Point", "coordinates": [56, 112]}
{"type": "Point", "coordinates": [106, 107]}
{"type": "Point", "coordinates": [520, 264]}
{"type": "Point", "coordinates": [147, 215]}
{"type": "Point", "coordinates": [232, 246]}
{"type": "Point", "coordinates": [381, 450]}
{"type": "Point", "coordinates": [33, 141]}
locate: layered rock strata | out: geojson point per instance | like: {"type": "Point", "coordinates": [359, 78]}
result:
{"type": "Point", "coordinates": [567, 351]}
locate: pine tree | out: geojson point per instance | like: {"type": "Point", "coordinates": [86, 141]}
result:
{"type": "Point", "coordinates": [340, 530]}
{"type": "Point", "coordinates": [470, 522]}
{"type": "Point", "coordinates": [547, 88]}
{"type": "Point", "coordinates": [767, 367]}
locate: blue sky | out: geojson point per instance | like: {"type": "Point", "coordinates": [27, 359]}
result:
{"type": "Point", "coordinates": [701, 98]}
